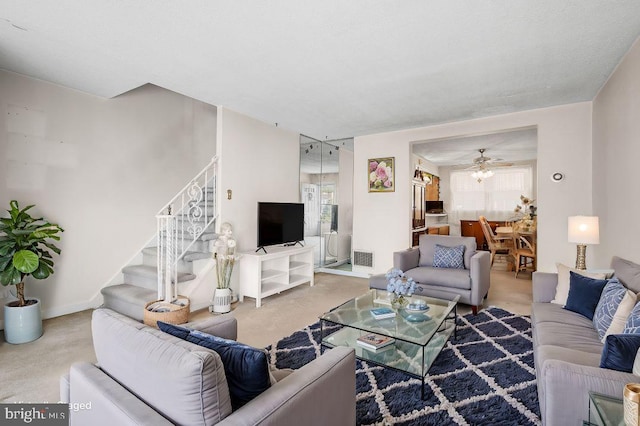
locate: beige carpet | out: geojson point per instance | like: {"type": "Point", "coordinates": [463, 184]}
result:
{"type": "Point", "coordinates": [30, 372]}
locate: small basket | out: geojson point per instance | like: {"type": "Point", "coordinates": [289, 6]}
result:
{"type": "Point", "coordinates": [630, 403]}
{"type": "Point", "coordinates": [178, 314]}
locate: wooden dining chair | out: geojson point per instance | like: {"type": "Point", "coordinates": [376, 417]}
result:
{"type": "Point", "coordinates": [524, 253]}
{"type": "Point", "coordinates": [502, 246]}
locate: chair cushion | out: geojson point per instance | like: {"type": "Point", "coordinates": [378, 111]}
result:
{"type": "Point", "coordinates": [246, 368]}
{"type": "Point", "coordinates": [568, 336]}
{"type": "Point", "coordinates": [619, 352]}
{"type": "Point", "coordinates": [562, 289]}
{"type": "Point", "coordinates": [615, 305]}
{"type": "Point", "coordinates": [584, 294]}
{"type": "Point", "coordinates": [448, 257]}
{"type": "Point", "coordinates": [139, 357]}
{"type": "Point", "coordinates": [427, 247]}
{"type": "Point", "coordinates": [445, 277]}
{"type": "Point", "coordinates": [542, 312]}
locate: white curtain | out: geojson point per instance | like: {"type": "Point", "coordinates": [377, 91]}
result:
{"type": "Point", "coordinates": [495, 197]}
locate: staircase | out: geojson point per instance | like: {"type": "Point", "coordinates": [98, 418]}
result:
{"type": "Point", "coordinates": [178, 258]}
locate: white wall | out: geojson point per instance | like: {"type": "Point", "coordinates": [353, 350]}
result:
{"type": "Point", "coordinates": [101, 168]}
{"type": "Point", "coordinates": [616, 147]}
{"type": "Point", "coordinates": [258, 162]}
{"type": "Point", "coordinates": [382, 221]}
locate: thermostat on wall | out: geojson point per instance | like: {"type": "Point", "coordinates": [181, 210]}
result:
{"type": "Point", "coordinates": [557, 177]}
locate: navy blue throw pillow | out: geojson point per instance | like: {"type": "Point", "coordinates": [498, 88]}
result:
{"type": "Point", "coordinates": [619, 352]}
{"type": "Point", "coordinates": [246, 368]}
{"type": "Point", "coordinates": [584, 294]}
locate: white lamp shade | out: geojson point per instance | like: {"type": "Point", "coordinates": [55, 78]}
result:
{"type": "Point", "coordinates": [584, 230]}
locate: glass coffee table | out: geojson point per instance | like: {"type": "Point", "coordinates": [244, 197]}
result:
{"type": "Point", "coordinates": [419, 336]}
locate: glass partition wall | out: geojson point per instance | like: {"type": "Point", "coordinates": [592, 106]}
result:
{"type": "Point", "coordinates": [320, 191]}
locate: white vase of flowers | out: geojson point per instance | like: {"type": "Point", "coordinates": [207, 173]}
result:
{"type": "Point", "coordinates": [225, 257]}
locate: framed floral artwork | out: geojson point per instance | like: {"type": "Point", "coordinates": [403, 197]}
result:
{"type": "Point", "coordinates": [381, 175]}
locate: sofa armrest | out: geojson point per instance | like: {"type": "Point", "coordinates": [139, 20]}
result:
{"type": "Point", "coordinates": [406, 259]}
{"type": "Point", "coordinates": [480, 271]}
{"type": "Point", "coordinates": [567, 387]}
{"type": "Point", "coordinates": [97, 399]}
{"type": "Point", "coordinates": [320, 393]}
{"type": "Point", "coordinates": [225, 326]}
{"type": "Point", "coordinates": [544, 286]}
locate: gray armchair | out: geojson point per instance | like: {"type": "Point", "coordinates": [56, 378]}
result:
{"type": "Point", "coordinates": [147, 377]}
{"type": "Point", "coordinates": [471, 283]}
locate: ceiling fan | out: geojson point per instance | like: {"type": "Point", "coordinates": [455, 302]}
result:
{"type": "Point", "coordinates": [482, 166]}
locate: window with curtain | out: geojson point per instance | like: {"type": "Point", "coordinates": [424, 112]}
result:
{"type": "Point", "coordinates": [494, 197]}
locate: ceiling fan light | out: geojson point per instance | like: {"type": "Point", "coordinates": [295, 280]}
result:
{"type": "Point", "coordinates": [481, 174]}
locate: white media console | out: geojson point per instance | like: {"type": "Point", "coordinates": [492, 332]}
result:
{"type": "Point", "coordinates": [281, 268]}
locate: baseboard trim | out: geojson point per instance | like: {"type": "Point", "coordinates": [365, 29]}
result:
{"type": "Point", "coordinates": [58, 311]}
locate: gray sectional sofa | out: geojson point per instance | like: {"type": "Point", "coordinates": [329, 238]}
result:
{"type": "Point", "coordinates": [471, 283]}
{"type": "Point", "coordinates": [147, 377]}
{"type": "Point", "coordinates": [567, 352]}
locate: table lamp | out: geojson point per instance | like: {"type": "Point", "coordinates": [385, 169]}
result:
{"type": "Point", "coordinates": [583, 230]}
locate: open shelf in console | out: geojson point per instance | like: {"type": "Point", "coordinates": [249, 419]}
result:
{"type": "Point", "coordinates": [281, 268]}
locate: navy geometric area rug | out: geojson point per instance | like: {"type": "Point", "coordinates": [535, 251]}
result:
{"type": "Point", "coordinates": [484, 377]}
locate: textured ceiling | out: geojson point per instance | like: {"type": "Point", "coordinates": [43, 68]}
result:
{"type": "Point", "coordinates": [328, 69]}
{"type": "Point", "coordinates": [515, 145]}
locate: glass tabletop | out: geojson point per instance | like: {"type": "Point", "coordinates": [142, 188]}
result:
{"type": "Point", "coordinates": [406, 325]}
{"type": "Point", "coordinates": [605, 410]}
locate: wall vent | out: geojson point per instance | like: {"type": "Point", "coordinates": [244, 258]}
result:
{"type": "Point", "coordinates": [363, 258]}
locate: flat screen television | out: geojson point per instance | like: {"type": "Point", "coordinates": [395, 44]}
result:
{"type": "Point", "coordinates": [434, 207]}
{"type": "Point", "coordinates": [280, 223]}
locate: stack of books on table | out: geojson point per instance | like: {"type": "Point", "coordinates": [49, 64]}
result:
{"type": "Point", "coordinates": [374, 341]}
{"type": "Point", "coordinates": [382, 313]}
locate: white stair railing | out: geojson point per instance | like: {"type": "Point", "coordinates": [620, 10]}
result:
{"type": "Point", "coordinates": [181, 222]}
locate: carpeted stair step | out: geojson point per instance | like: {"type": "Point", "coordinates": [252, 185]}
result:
{"type": "Point", "coordinates": [209, 236]}
{"type": "Point", "coordinates": [128, 299]}
{"type": "Point", "coordinates": [190, 256]}
{"type": "Point", "coordinates": [147, 276]}
{"type": "Point", "coordinates": [200, 245]}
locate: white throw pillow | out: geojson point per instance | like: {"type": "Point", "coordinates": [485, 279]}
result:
{"type": "Point", "coordinates": [562, 289]}
{"type": "Point", "coordinates": [622, 313]}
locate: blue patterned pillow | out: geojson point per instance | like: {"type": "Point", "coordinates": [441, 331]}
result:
{"type": "Point", "coordinates": [610, 299]}
{"type": "Point", "coordinates": [448, 257]}
{"type": "Point", "coordinates": [633, 321]}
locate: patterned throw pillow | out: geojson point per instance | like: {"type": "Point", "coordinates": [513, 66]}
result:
{"type": "Point", "coordinates": [632, 326]}
{"type": "Point", "coordinates": [610, 299]}
{"type": "Point", "coordinates": [448, 257]}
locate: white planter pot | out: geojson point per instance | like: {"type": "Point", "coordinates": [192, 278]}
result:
{"type": "Point", "coordinates": [22, 324]}
{"type": "Point", "coordinates": [222, 300]}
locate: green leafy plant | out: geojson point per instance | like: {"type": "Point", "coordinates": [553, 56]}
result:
{"type": "Point", "coordinates": [25, 248]}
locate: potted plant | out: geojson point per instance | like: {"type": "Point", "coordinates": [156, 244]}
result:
{"type": "Point", "coordinates": [25, 250]}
